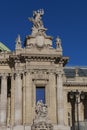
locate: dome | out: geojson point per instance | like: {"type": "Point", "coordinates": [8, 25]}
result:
{"type": "Point", "coordinates": [3, 47]}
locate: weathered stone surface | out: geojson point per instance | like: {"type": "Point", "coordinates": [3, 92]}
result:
{"type": "Point", "coordinates": [38, 64]}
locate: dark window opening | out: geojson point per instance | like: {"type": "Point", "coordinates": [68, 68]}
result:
{"type": "Point", "coordinates": [85, 110]}
{"type": "Point", "coordinates": [68, 118]}
{"type": "Point", "coordinates": [40, 94]}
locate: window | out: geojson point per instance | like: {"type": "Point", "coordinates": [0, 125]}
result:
{"type": "Point", "coordinates": [40, 93]}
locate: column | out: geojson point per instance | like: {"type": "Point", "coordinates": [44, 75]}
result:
{"type": "Point", "coordinates": [52, 114]}
{"type": "Point", "coordinates": [12, 100]}
{"type": "Point", "coordinates": [60, 102]}
{"type": "Point", "coordinates": [24, 76]}
{"type": "Point", "coordinates": [8, 111]}
{"type": "Point", "coordinates": [3, 99]}
{"type": "Point", "coordinates": [28, 98]}
{"type": "Point", "coordinates": [18, 99]}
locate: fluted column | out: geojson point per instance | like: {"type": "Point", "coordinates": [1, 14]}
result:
{"type": "Point", "coordinates": [18, 99]}
{"type": "Point", "coordinates": [60, 102]}
{"type": "Point", "coordinates": [3, 99]}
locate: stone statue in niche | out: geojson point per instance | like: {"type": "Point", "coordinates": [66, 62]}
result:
{"type": "Point", "coordinates": [41, 109]}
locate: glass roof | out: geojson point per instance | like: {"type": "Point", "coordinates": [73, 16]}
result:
{"type": "Point", "coordinates": [4, 47]}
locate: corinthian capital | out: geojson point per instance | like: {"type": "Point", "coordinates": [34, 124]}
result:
{"type": "Point", "coordinates": [4, 75]}
{"type": "Point", "coordinates": [59, 72]}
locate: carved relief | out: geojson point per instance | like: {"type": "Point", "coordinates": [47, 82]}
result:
{"type": "Point", "coordinates": [41, 109]}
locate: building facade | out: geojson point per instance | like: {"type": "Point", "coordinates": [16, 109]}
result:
{"type": "Point", "coordinates": [36, 74]}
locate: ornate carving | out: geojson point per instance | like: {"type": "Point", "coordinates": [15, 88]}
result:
{"type": "Point", "coordinates": [41, 121]}
{"type": "Point", "coordinates": [58, 43]}
{"type": "Point", "coordinates": [18, 42]}
{"type": "Point", "coordinates": [38, 26]}
{"type": "Point", "coordinates": [41, 109]}
{"type": "Point", "coordinates": [37, 19]}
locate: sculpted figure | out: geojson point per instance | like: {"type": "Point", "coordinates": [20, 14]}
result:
{"type": "Point", "coordinates": [37, 18]}
{"type": "Point", "coordinates": [41, 109]}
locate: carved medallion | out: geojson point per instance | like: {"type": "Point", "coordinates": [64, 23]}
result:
{"type": "Point", "coordinates": [40, 41]}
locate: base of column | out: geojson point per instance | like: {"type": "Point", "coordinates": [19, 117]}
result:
{"type": "Point", "coordinates": [61, 127]}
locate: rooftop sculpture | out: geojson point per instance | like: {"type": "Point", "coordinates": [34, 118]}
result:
{"type": "Point", "coordinates": [37, 21]}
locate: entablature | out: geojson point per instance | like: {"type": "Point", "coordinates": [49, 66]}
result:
{"type": "Point", "coordinates": [22, 58]}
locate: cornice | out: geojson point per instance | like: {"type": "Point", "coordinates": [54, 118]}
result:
{"type": "Point", "coordinates": [39, 57]}
{"type": "Point", "coordinates": [75, 83]}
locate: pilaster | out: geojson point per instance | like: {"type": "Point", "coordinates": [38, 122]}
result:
{"type": "Point", "coordinates": [60, 101]}
{"type": "Point", "coordinates": [3, 106]}
{"type": "Point", "coordinates": [24, 83]}
{"type": "Point", "coordinates": [52, 98]}
{"type": "Point", "coordinates": [18, 99]}
{"type": "Point", "coordinates": [28, 98]}
{"type": "Point", "coordinates": [12, 99]}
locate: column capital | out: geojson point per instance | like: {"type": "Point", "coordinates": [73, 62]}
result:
{"type": "Point", "coordinates": [18, 74]}
{"type": "Point", "coordinates": [4, 75]}
{"type": "Point", "coordinates": [59, 73]}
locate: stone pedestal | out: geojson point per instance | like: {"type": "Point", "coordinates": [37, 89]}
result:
{"type": "Point", "coordinates": [42, 126]}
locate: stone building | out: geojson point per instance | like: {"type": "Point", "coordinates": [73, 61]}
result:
{"type": "Point", "coordinates": [40, 68]}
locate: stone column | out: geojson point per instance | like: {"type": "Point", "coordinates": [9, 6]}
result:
{"type": "Point", "coordinates": [8, 111]}
{"type": "Point", "coordinates": [28, 98]}
{"type": "Point", "coordinates": [24, 76]}
{"type": "Point", "coordinates": [12, 100]}
{"type": "Point", "coordinates": [18, 99]}
{"type": "Point", "coordinates": [52, 114]}
{"type": "Point", "coordinates": [3, 100]}
{"type": "Point", "coordinates": [60, 102]}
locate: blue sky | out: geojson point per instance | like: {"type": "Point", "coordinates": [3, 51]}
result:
{"type": "Point", "coordinates": [64, 18]}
